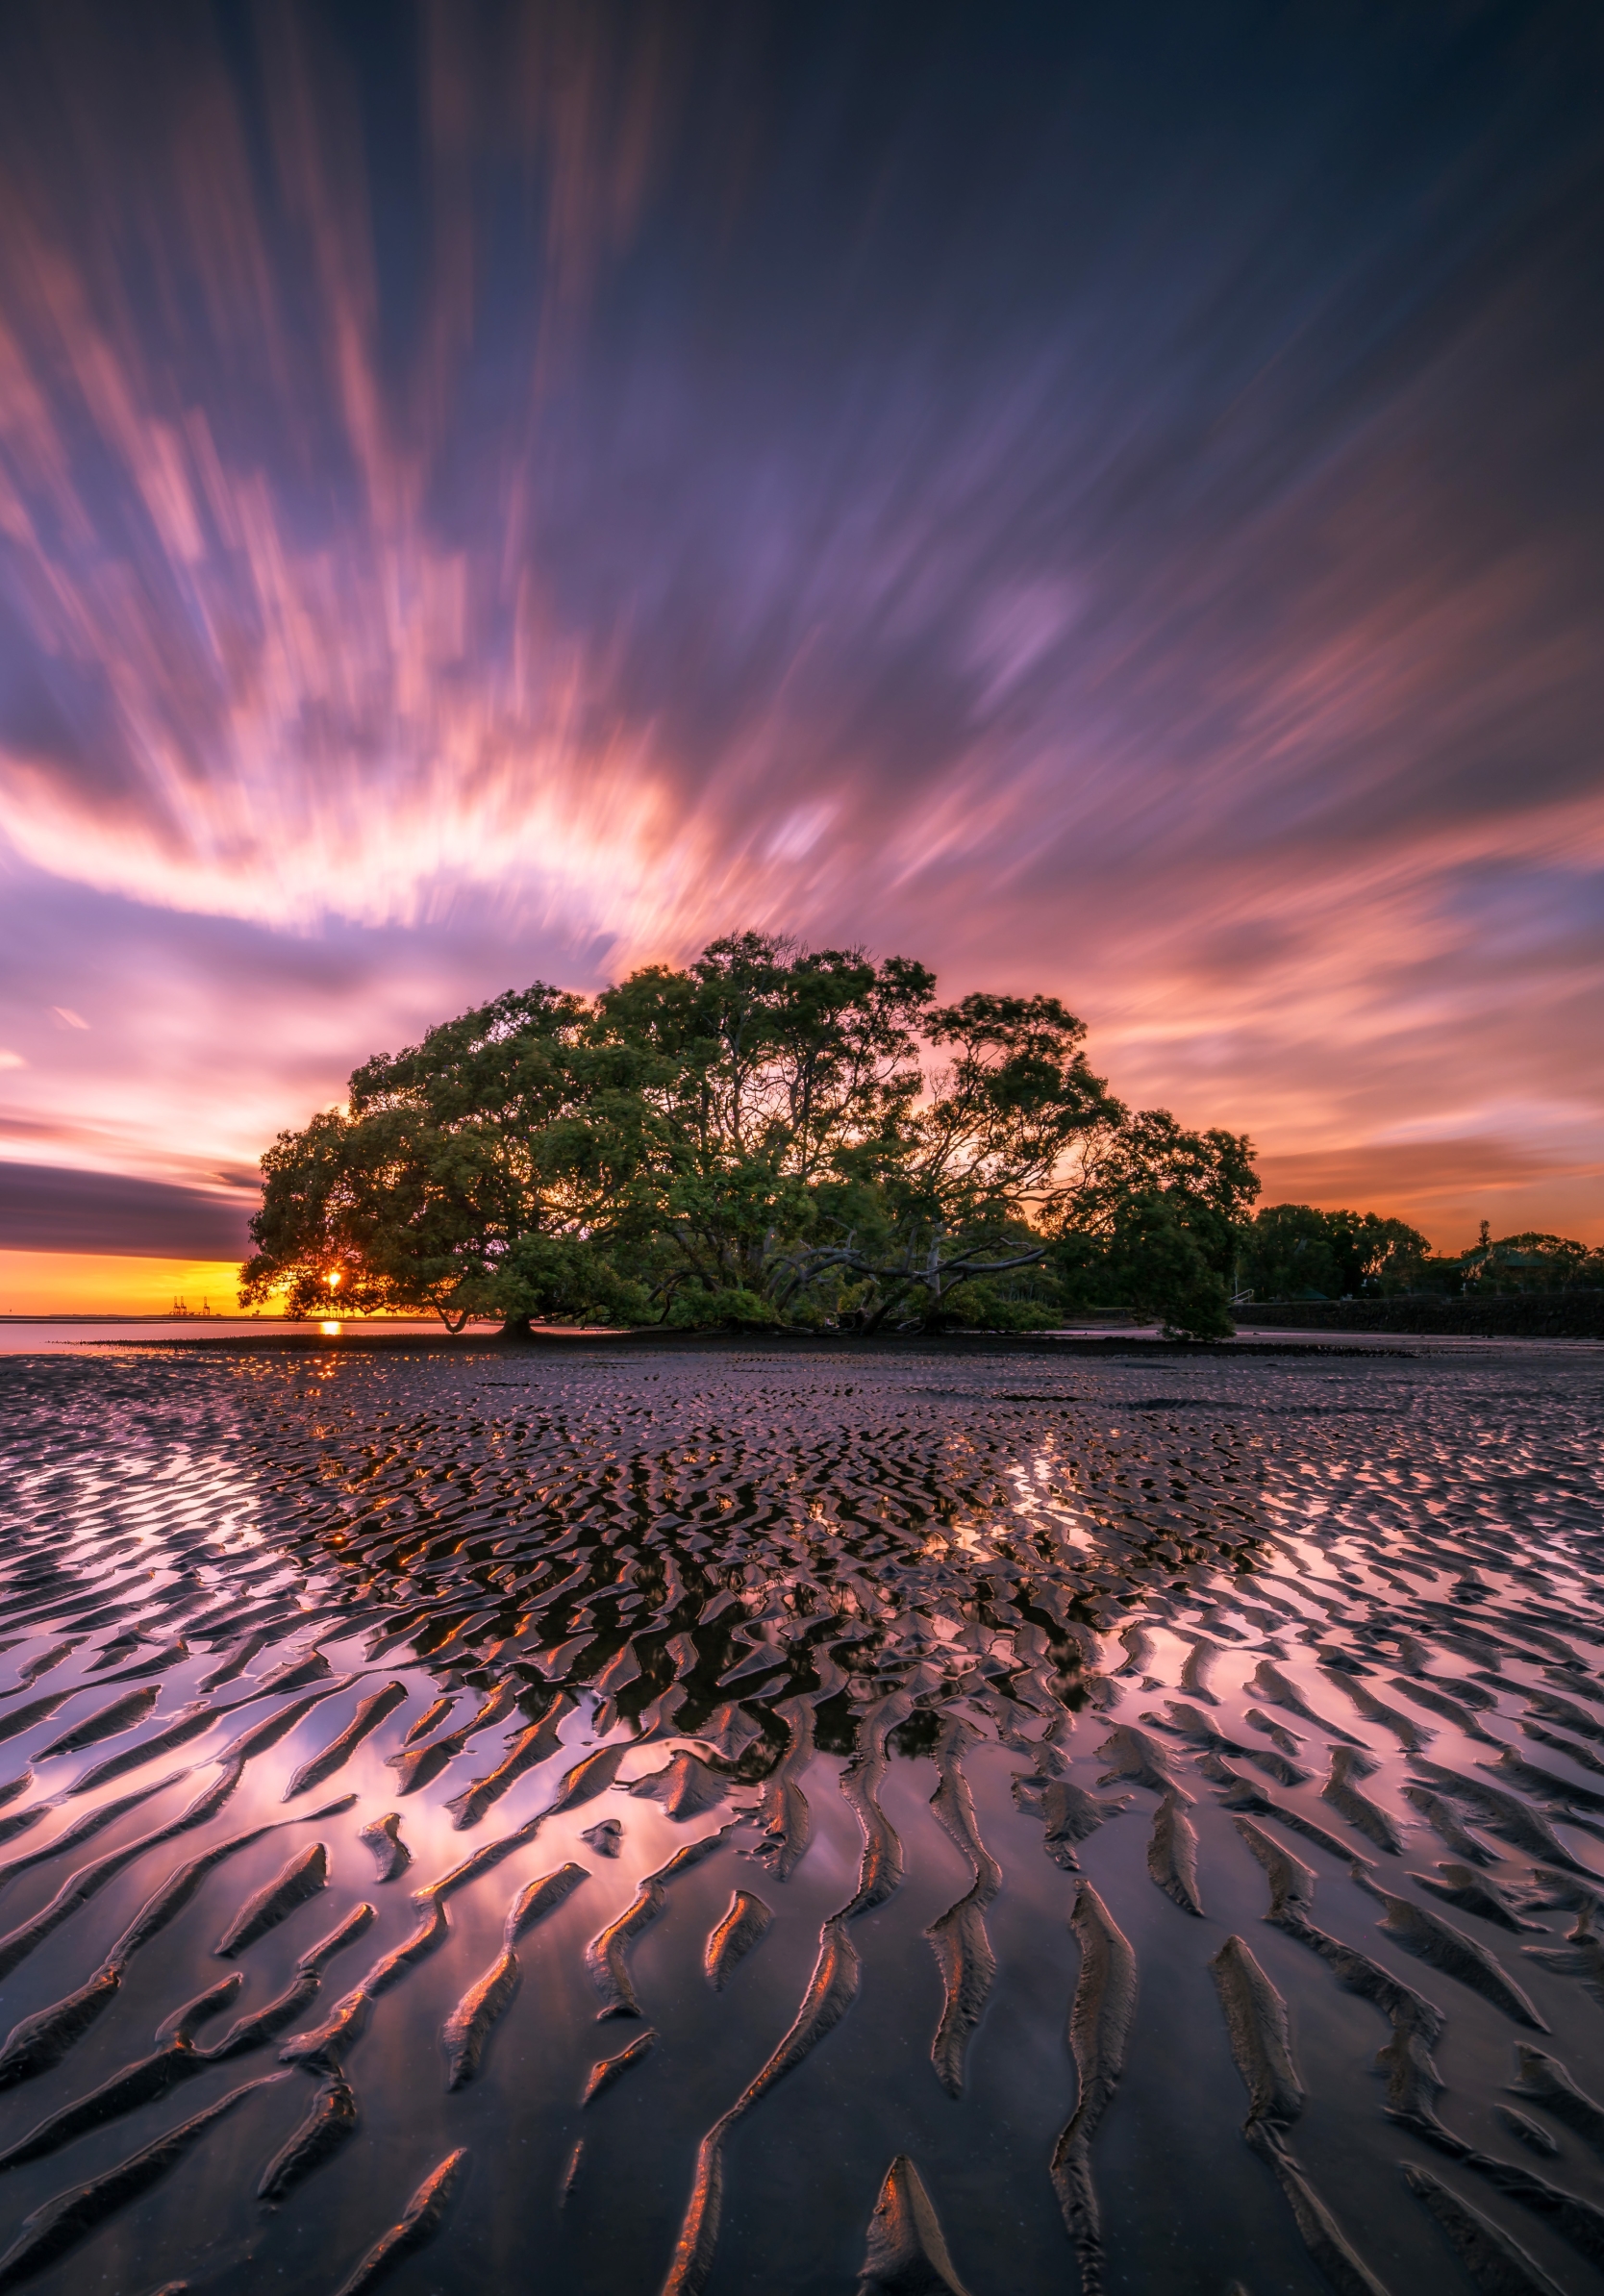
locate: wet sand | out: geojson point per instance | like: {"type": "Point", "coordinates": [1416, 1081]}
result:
{"type": "Point", "coordinates": [728, 1820]}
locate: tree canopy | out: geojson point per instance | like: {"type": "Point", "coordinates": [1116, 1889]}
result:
{"type": "Point", "coordinates": [1531, 1262]}
{"type": "Point", "coordinates": [773, 1136]}
{"type": "Point", "coordinates": [1291, 1251]}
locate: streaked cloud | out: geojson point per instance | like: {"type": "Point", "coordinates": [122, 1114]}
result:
{"type": "Point", "coordinates": [1106, 506]}
{"type": "Point", "coordinates": [43, 1208]}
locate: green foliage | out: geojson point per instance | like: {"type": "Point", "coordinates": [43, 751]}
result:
{"type": "Point", "coordinates": [1531, 1261]}
{"type": "Point", "coordinates": [1440, 1273]}
{"type": "Point", "coordinates": [1294, 1252]}
{"type": "Point", "coordinates": [774, 1136]}
{"type": "Point", "coordinates": [981, 1307]}
{"type": "Point", "coordinates": [1156, 1222]}
{"type": "Point", "coordinates": [1147, 1256]}
{"type": "Point", "coordinates": [693, 1308]}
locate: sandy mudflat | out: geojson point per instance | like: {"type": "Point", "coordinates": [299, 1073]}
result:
{"type": "Point", "coordinates": [792, 1822]}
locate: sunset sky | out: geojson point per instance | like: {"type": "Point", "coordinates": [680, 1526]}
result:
{"type": "Point", "coordinates": [1101, 499]}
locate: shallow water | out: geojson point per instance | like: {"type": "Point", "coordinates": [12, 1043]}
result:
{"type": "Point", "coordinates": [992, 1694]}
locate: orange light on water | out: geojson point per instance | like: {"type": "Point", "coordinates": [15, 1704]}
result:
{"type": "Point", "coordinates": [330, 1331]}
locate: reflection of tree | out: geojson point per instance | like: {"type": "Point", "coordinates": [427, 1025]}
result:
{"type": "Point", "coordinates": [744, 1563]}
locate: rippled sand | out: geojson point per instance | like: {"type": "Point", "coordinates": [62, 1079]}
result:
{"type": "Point", "coordinates": [784, 1822]}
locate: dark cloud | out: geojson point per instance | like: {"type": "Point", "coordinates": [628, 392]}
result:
{"type": "Point", "coordinates": [45, 1208]}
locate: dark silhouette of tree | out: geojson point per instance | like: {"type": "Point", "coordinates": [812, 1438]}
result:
{"type": "Point", "coordinates": [774, 1134]}
{"type": "Point", "coordinates": [1291, 1252]}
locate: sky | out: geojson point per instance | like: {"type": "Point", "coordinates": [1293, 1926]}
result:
{"type": "Point", "coordinates": [1100, 500]}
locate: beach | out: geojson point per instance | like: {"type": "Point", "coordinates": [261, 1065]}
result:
{"type": "Point", "coordinates": [791, 1816]}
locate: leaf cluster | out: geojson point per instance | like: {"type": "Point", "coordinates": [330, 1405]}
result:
{"type": "Point", "coordinates": [772, 1135]}
{"type": "Point", "coordinates": [1292, 1252]}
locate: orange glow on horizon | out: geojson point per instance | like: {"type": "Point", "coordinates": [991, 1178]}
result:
{"type": "Point", "coordinates": [90, 1284]}
{"type": "Point", "coordinates": [108, 1283]}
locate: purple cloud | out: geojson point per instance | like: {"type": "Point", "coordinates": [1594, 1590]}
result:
{"type": "Point", "coordinates": [1105, 505]}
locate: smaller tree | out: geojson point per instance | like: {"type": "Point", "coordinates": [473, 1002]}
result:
{"type": "Point", "coordinates": [1293, 1251]}
{"type": "Point", "coordinates": [1396, 1254]}
{"type": "Point", "coordinates": [1154, 1220]}
{"type": "Point", "coordinates": [1531, 1261]}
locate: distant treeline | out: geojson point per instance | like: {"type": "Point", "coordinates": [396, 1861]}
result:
{"type": "Point", "coordinates": [782, 1136]}
{"type": "Point", "coordinates": [1292, 1252]}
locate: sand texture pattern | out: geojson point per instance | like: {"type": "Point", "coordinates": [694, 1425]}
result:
{"type": "Point", "coordinates": [929, 1818]}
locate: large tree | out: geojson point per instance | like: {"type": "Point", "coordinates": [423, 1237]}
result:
{"type": "Point", "coordinates": [772, 1135]}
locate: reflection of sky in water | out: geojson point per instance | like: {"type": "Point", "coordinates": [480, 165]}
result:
{"type": "Point", "coordinates": [973, 1553]}
{"type": "Point", "coordinates": [1037, 1483]}
{"type": "Point", "coordinates": [132, 1503]}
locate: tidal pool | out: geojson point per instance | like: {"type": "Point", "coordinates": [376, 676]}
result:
{"type": "Point", "coordinates": [796, 1820]}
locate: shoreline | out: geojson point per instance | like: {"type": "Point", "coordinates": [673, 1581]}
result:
{"type": "Point", "coordinates": [544, 1345]}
